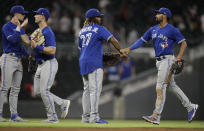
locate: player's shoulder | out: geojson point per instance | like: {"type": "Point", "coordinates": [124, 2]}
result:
{"type": "Point", "coordinates": [172, 28]}
{"type": "Point", "coordinates": [47, 31]}
{"type": "Point", "coordinates": [7, 25]}
{"type": "Point", "coordinates": [101, 26]}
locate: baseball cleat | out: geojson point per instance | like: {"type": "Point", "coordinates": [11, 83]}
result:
{"type": "Point", "coordinates": [151, 119]}
{"type": "Point", "coordinates": [16, 118]}
{"type": "Point", "coordinates": [65, 108]}
{"type": "Point", "coordinates": [50, 121]}
{"type": "Point", "coordinates": [192, 113]}
{"type": "Point", "coordinates": [101, 122]}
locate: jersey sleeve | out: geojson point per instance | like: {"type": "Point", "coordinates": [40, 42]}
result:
{"type": "Point", "coordinates": [22, 31]}
{"type": "Point", "coordinates": [79, 43]}
{"type": "Point", "coordinates": [11, 36]}
{"type": "Point", "coordinates": [105, 34]}
{"type": "Point", "coordinates": [147, 35]}
{"type": "Point", "coordinates": [178, 37]}
{"type": "Point", "coordinates": [49, 39]}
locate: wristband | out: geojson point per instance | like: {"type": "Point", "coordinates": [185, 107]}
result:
{"type": "Point", "coordinates": [39, 48]}
{"type": "Point", "coordinates": [18, 28]}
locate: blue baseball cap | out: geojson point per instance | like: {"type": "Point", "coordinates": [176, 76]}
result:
{"type": "Point", "coordinates": [164, 11]}
{"type": "Point", "coordinates": [44, 12]}
{"type": "Point", "coordinates": [93, 13]}
{"type": "Point", "coordinates": [18, 9]}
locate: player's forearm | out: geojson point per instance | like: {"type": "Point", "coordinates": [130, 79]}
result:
{"type": "Point", "coordinates": [14, 37]}
{"type": "Point", "coordinates": [137, 44]}
{"type": "Point", "coordinates": [182, 49]}
{"type": "Point", "coordinates": [25, 39]}
{"type": "Point", "coordinates": [115, 43]}
{"type": "Point", "coordinates": [49, 50]}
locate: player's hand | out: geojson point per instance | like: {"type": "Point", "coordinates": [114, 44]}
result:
{"type": "Point", "coordinates": [125, 51]}
{"type": "Point", "coordinates": [16, 21]}
{"type": "Point", "coordinates": [179, 60]}
{"type": "Point", "coordinates": [25, 22]}
{"type": "Point", "coordinates": [33, 44]}
{"type": "Point", "coordinates": [124, 56]}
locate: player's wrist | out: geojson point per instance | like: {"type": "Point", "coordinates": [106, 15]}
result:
{"type": "Point", "coordinates": [18, 28]}
{"type": "Point", "coordinates": [39, 48]}
{"type": "Point", "coordinates": [178, 59]}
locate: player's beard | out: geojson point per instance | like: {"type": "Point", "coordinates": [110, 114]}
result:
{"type": "Point", "coordinates": [159, 20]}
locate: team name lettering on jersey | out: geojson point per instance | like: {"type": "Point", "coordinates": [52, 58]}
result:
{"type": "Point", "coordinates": [163, 37]}
{"type": "Point", "coordinates": [159, 36]}
{"type": "Point", "coordinates": [88, 28]}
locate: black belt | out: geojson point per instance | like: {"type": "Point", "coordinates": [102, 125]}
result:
{"type": "Point", "coordinates": [13, 54]}
{"type": "Point", "coordinates": [42, 61]}
{"type": "Point", "coordinates": [159, 58]}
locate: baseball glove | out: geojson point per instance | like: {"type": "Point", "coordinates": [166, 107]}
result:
{"type": "Point", "coordinates": [177, 66]}
{"type": "Point", "coordinates": [32, 65]}
{"type": "Point", "coordinates": [111, 59]}
{"type": "Point", "coordinates": [38, 37]}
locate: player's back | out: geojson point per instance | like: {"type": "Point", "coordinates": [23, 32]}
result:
{"type": "Point", "coordinates": [90, 41]}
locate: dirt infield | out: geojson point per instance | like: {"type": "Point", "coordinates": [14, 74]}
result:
{"type": "Point", "coordinates": [94, 129]}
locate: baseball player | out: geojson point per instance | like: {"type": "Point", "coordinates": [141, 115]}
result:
{"type": "Point", "coordinates": [91, 67]}
{"type": "Point", "coordinates": [164, 36]}
{"type": "Point", "coordinates": [47, 68]}
{"type": "Point", "coordinates": [11, 66]}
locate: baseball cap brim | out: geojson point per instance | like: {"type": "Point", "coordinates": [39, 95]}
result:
{"type": "Point", "coordinates": [101, 15]}
{"type": "Point", "coordinates": [36, 12]}
{"type": "Point", "coordinates": [157, 11]}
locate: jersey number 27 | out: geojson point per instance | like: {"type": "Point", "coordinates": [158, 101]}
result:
{"type": "Point", "coordinates": [85, 39]}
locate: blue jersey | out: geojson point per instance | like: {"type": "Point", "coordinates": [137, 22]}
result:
{"type": "Point", "coordinates": [90, 44]}
{"type": "Point", "coordinates": [11, 40]}
{"type": "Point", "coordinates": [49, 41]}
{"type": "Point", "coordinates": [163, 39]}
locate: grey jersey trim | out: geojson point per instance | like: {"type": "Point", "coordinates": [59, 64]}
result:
{"type": "Point", "coordinates": [143, 39]}
{"type": "Point", "coordinates": [181, 41]}
{"type": "Point", "coordinates": [109, 37]}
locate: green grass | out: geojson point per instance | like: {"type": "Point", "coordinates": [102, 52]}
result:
{"type": "Point", "coordinates": [74, 123]}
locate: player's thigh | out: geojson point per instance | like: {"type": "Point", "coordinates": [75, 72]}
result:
{"type": "Point", "coordinates": [85, 82]}
{"type": "Point", "coordinates": [95, 80]}
{"type": "Point", "coordinates": [17, 78]}
{"type": "Point", "coordinates": [47, 75]}
{"type": "Point", "coordinates": [7, 71]}
{"type": "Point", "coordinates": [37, 81]}
{"type": "Point", "coordinates": [163, 71]}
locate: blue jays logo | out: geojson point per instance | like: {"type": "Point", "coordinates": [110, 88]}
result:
{"type": "Point", "coordinates": [164, 45]}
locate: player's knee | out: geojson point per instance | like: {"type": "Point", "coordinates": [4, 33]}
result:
{"type": "Point", "coordinates": [4, 90]}
{"type": "Point", "coordinates": [159, 92]}
{"type": "Point", "coordinates": [15, 90]}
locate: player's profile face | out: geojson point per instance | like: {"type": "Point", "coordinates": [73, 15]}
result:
{"type": "Point", "coordinates": [38, 18]}
{"type": "Point", "coordinates": [159, 17]}
{"type": "Point", "coordinates": [20, 16]}
{"type": "Point", "coordinates": [98, 20]}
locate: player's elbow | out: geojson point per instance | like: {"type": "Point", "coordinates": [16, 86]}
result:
{"type": "Point", "coordinates": [52, 51]}
{"type": "Point", "coordinates": [184, 44]}
{"type": "Point", "coordinates": [12, 40]}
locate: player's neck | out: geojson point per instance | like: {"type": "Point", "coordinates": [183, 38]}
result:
{"type": "Point", "coordinates": [163, 23]}
{"type": "Point", "coordinates": [12, 21]}
{"type": "Point", "coordinates": [42, 25]}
